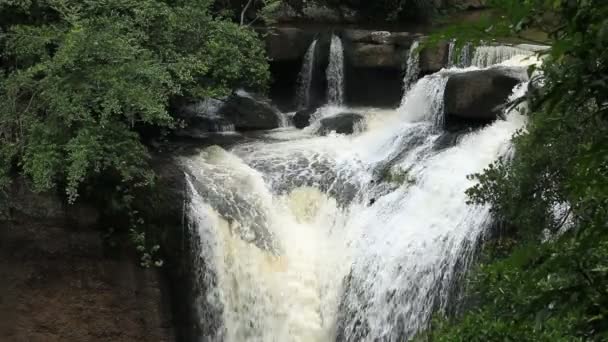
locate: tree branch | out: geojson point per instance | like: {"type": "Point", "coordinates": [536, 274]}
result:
{"type": "Point", "coordinates": [245, 11]}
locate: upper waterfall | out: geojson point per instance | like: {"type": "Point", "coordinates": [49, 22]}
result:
{"type": "Point", "coordinates": [335, 72]}
{"type": "Point", "coordinates": [305, 77]}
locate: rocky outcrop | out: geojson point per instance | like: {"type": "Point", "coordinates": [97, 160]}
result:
{"type": "Point", "coordinates": [288, 43]}
{"type": "Point", "coordinates": [343, 123]}
{"type": "Point", "coordinates": [479, 95]}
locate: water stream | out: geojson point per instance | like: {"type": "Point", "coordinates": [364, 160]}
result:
{"type": "Point", "coordinates": [305, 77]}
{"type": "Point", "coordinates": [335, 72]}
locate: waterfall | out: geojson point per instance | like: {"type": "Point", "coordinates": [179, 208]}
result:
{"type": "Point", "coordinates": [335, 72]}
{"type": "Point", "coordinates": [451, 55]}
{"type": "Point", "coordinates": [412, 67]}
{"type": "Point", "coordinates": [464, 59]}
{"type": "Point", "coordinates": [305, 77]}
{"type": "Point", "coordinates": [486, 56]}
{"type": "Point", "coordinates": [298, 237]}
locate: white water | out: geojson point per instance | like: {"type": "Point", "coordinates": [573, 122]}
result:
{"type": "Point", "coordinates": [412, 67]}
{"type": "Point", "coordinates": [305, 77]}
{"type": "Point", "coordinates": [335, 72]}
{"type": "Point", "coordinates": [304, 238]}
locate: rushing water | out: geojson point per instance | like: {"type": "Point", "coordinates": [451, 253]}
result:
{"type": "Point", "coordinates": [486, 56]}
{"type": "Point", "coordinates": [335, 72]}
{"type": "Point", "coordinates": [299, 237]}
{"type": "Point", "coordinates": [305, 77]}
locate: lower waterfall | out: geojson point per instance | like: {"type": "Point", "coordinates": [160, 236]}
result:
{"type": "Point", "coordinates": [299, 237]}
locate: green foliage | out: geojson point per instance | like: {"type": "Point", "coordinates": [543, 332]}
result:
{"type": "Point", "coordinates": [555, 185]}
{"type": "Point", "coordinates": [79, 77]}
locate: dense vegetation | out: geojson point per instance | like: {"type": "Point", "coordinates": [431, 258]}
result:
{"type": "Point", "coordinates": [546, 277]}
{"type": "Point", "coordinates": [377, 10]}
{"type": "Point", "coordinates": [80, 81]}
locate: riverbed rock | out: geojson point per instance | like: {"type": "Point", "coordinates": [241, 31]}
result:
{"type": "Point", "coordinates": [343, 123]}
{"type": "Point", "coordinates": [480, 95]}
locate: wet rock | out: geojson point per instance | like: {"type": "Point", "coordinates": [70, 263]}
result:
{"type": "Point", "coordinates": [302, 118]}
{"type": "Point", "coordinates": [343, 123]}
{"type": "Point", "coordinates": [480, 95]}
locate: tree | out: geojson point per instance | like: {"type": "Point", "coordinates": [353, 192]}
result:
{"type": "Point", "coordinates": [79, 77]}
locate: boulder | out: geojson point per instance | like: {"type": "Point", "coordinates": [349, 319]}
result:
{"type": "Point", "coordinates": [302, 118]}
{"type": "Point", "coordinates": [288, 43]}
{"type": "Point", "coordinates": [343, 123]}
{"type": "Point", "coordinates": [479, 95]}
{"type": "Point", "coordinates": [240, 111]}
{"type": "Point", "coordinates": [248, 112]}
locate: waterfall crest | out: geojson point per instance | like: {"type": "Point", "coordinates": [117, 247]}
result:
{"type": "Point", "coordinates": [335, 72]}
{"type": "Point", "coordinates": [486, 56]}
{"type": "Point", "coordinates": [299, 237]}
{"type": "Point", "coordinates": [305, 77]}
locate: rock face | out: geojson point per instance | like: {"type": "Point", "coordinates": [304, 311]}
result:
{"type": "Point", "coordinates": [287, 43]}
{"type": "Point", "coordinates": [60, 282]}
{"type": "Point", "coordinates": [375, 62]}
{"type": "Point", "coordinates": [343, 123]}
{"type": "Point", "coordinates": [479, 95]}
{"type": "Point", "coordinates": [434, 58]}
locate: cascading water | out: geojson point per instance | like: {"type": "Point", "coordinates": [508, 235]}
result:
{"type": "Point", "coordinates": [305, 77]}
{"type": "Point", "coordinates": [299, 237]}
{"type": "Point", "coordinates": [486, 56]}
{"type": "Point", "coordinates": [335, 72]}
{"type": "Point", "coordinates": [412, 67]}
